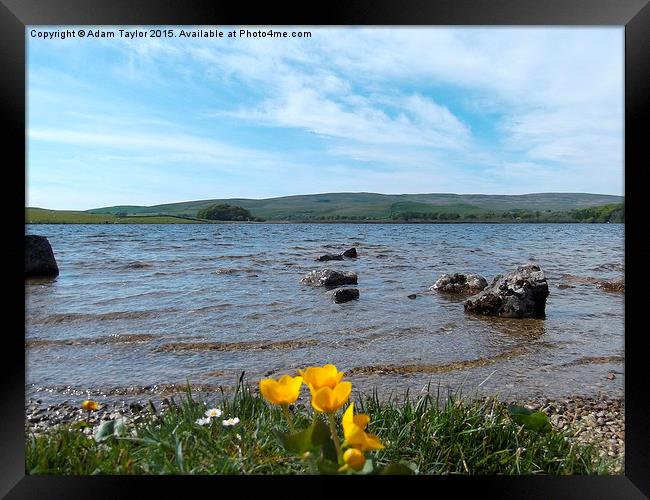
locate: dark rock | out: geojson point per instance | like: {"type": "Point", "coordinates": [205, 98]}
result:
{"type": "Point", "coordinates": [345, 295]}
{"type": "Point", "coordinates": [412, 296]}
{"type": "Point", "coordinates": [460, 283]}
{"type": "Point", "coordinates": [39, 257]}
{"type": "Point", "coordinates": [520, 294]}
{"type": "Point", "coordinates": [327, 257]}
{"type": "Point", "coordinates": [352, 253]}
{"type": "Point", "coordinates": [330, 278]}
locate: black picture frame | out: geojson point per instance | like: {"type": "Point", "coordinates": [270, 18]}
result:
{"type": "Point", "coordinates": [634, 15]}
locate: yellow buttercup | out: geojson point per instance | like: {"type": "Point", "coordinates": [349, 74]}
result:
{"type": "Point", "coordinates": [90, 405]}
{"type": "Point", "coordinates": [321, 376]}
{"type": "Point", "coordinates": [329, 400]}
{"type": "Point", "coordinates": [354, 431]}
{"type": "Point", "coordinates": [281, 392]}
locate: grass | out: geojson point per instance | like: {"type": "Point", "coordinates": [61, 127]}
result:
{"type": "Point", "coordinates": [458, 437]}
{"type": "Point", "coordinates": [43, 216]}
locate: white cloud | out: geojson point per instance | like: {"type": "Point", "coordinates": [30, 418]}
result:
{"type": "Point", "coordinates": [371, 98]}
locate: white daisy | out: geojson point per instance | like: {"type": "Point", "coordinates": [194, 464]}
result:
{"type": "Point", "coordinates": [203, 421]}
{"type": "Point", "coordinates": [213, 412]}
{"type": "Point", "coordinates": [230, 422]}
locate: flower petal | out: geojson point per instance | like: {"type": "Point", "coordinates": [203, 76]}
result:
{"type": "Point", "coordinates": [361, 420]}
{"type": "Point", "coordinates": [322, 399]}
{"type": "Point", "coordinates": [342, 393]}
{"type": "Point", "coordinates": [373, 443]}
{"type": "Point", "coordinates": [268, 388]}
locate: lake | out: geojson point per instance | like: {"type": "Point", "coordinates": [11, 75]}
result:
{"type": "Point", "coordinates": [137, 308]}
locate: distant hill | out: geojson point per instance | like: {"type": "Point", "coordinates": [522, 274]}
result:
{"type": "Point", "coordinates": [373, 206]}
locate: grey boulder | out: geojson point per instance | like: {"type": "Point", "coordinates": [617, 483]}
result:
{"type": "Point", "coordinates": [520, 294]}
{"type": "Point", "coordinates": [330, 278]}
{"type": "Point", "coordinates": [460, 283]}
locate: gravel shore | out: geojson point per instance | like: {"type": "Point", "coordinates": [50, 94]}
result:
{"type": "Point", "coordinates": [599, 421]}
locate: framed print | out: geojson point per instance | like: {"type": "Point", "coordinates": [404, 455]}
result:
{"type": "Point", "coordinates": [360, 241]}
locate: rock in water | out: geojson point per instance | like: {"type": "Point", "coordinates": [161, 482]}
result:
{"type": "Point", "coordinates": [326, 257]}
{"type": "Point", "coordinates": [39, 257]}
{"type": "Point", "coordinates": [329, 277]}
{"type": "Point", "coordinates": [612, 286]}
{"type": "Point", "coordinates": [460, 283]}
{"type": "Point", "coordinates": [345, 295]}
{"type": "Point", "coordinates": [520, 294]}
{"type": "Point", "coordinates": [352, 253]}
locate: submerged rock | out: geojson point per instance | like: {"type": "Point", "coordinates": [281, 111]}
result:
{"type": "Point", "coordinates": [612, 286]}
{"type": "Point", "coordinates": [520, 294]}
{"type": "Point", "coordinates": [327, 257]}
{"type": "Point", "coordinates": [39, 257]}
{"type": "Point", "coordinates": [608, 286]}
{"type": "Point", "coordinates": [341, 295]}
{"type": "Point", "coordinates": [329, 277]}
{"type": "Point", "coordinates": [412, 296]}
{"type": "Point", "coordinates": [460, 283]}
{"type": "Point", "coordinates": [351, 253]}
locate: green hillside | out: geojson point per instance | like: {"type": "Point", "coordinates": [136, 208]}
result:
{"type": "Point", "coordinates": [43, 216]}
{"type": "Point", "coordinates": [372, 206]}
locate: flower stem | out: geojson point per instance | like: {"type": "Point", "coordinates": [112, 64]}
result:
{"type": "Point", "coordinates": [287, 415]}
{"type": "Point", "coordinates": [335, 436]}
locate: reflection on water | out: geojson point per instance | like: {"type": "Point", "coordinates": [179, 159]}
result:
{"type": "Point", "coordinates": [176, 290]}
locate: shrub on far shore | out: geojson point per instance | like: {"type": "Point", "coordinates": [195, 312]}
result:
{"type": "Point", "coordinates": [225, 212]}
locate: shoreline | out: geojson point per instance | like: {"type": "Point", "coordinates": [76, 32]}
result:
{"type": "Point", "coordinates": [597, 421]}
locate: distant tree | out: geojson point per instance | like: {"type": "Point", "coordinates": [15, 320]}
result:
{"type": "Point", "coordinates": [225, 212]}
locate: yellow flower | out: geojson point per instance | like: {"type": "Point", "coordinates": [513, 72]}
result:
{"type": "Point", "coordinates": [321, 376]}
{"type": "Point", "coordinates": [282, 392]}
{"type": "Point", "coordinates": [329, 400]}
{"type": "Point", "coordinates": [354, 431]}
{"type": "Point", "coordinates": [354, 459]}
{"type": "Point", "coordinates": [90, 405]}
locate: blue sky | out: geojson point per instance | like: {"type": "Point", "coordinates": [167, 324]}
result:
{"type": "Point", "coordinates": [390, 110]}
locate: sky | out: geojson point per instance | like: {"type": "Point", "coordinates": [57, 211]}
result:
{"type": "Point", "coordinates": [149, 120]}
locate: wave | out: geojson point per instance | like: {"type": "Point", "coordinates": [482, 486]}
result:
{"type": "Point", "coordinates": [137, 264]}
{"type": "Point", "coordinates": [610, 266]}
{"type": "Point", "coordinates": [54, 319]}
{"type": "Point", "coordinates": [439, 368]}
{"type": "Point", "coordinates": [85, 341]}
{"type": "Point", "coordinates": [230, 270]}
{"type": "Point", "coordinates": [234, 346]}
{"type": "Point", "coordinates": [589, 360]}
{"type": "Point", "coordinates": [155, 389]}
{"type": "Point", "coordinates": [214, 307]}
